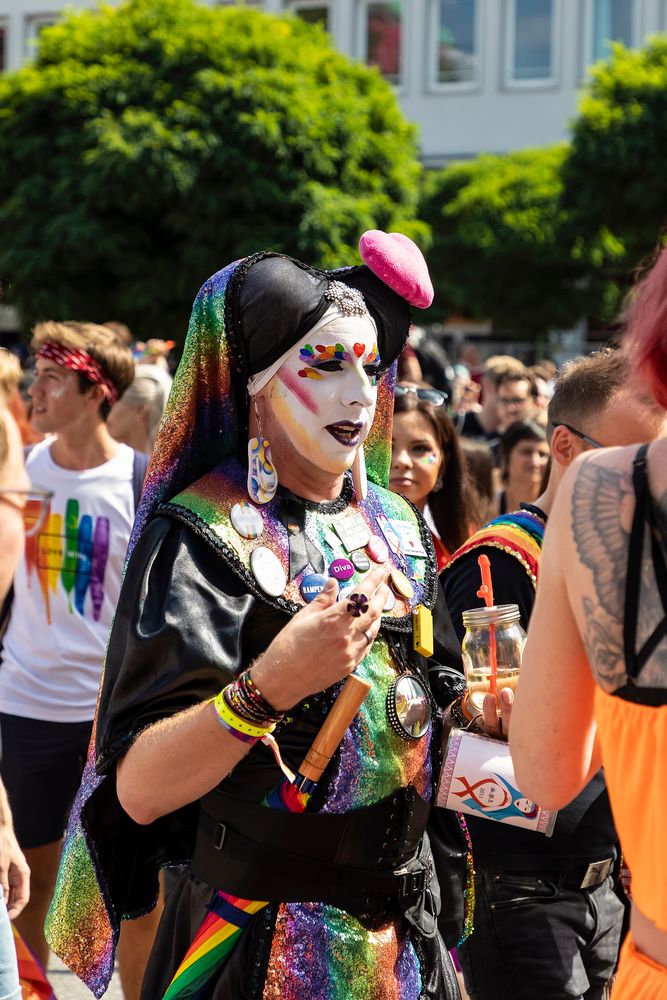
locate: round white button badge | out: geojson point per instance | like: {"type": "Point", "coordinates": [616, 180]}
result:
{"type": "Point", "coordinates": [246, 520]}
{"type": "Point", "coordinates": [268, 571]}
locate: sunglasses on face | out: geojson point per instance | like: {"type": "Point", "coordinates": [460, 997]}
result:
{"type": "Point", "coordinates": [433, 396]}
{"type": "Point", "coordinates": [573, 430]}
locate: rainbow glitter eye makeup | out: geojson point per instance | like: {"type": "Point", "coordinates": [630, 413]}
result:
{"type": "Point", "coordinates": [330, 358]}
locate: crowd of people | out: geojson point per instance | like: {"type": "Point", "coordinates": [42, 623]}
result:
{"type": "Point", "coordinates": [232, 621]}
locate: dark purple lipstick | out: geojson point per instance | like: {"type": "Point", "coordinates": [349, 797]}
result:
{"type": "Point", "coordinates": [345, 432]}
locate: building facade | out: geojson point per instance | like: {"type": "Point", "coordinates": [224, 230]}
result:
{"type": "Point", "coordinates": [474, 75]}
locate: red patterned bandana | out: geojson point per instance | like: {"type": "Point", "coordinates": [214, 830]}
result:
{"type": "Point", "coordinates": [78, 361]}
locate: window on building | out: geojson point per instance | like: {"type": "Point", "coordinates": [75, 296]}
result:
{"type": "Point", "coordinates": [34, 27]}
{"type": "Point", "coordinates": [3, 47]}
{"type": "Point", "coordinates": [612, 22]}
{"type": "Point", "coordinates": [384, 30]}
{"type": "Point", "coordinates": [314, 13]}
{"type": "Point", "coordinates": [532, 40]}
{"type": "Point", "coordinates": [456, 41]}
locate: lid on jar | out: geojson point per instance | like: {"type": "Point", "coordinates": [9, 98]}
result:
{"type": "Point", "coordinates": [501, 614]}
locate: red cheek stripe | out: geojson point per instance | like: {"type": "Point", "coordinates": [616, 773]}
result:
{"type": "Point", "coordinates": [299, 389]}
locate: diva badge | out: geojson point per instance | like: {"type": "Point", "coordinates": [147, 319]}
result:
{"type": "Point", "coordinates": [341, 569]}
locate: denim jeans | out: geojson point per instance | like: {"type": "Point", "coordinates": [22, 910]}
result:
{"type": "Point", "coordinates": [9, 977]}
{"type": "Point", "coordinates": [535, 939]}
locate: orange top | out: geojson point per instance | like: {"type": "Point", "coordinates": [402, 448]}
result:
{"type": "Point", "coordinates": [633, 739]}
{"type": "Point", "coordinates": [441, 554]}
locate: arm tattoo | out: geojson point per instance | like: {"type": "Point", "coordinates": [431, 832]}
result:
{"type": "Point", "coordinates": [601, 541]}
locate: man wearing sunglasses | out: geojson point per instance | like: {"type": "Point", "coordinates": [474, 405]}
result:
{"type": "Point", "coordinates": [558, 892]}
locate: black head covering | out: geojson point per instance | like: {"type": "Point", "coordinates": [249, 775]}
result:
{"type": "Point", "coordinates": [281, 299]}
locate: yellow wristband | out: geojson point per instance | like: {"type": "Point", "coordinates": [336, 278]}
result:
{"type": "Point", "coordinates": [235, 721]}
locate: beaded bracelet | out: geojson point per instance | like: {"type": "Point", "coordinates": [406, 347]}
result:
{"type": "Point", "coordinates": [245, 698]}
{"type": "Point", "coordinates": [253, 696]}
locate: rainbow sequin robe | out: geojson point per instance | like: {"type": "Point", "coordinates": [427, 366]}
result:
{"type": "Point", "coordinates": [191, 616]}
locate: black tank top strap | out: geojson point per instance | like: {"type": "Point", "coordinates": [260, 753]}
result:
{"type": "Point", "coordinates": [643, 513]}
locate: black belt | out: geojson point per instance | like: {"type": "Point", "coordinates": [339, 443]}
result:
{"type": "Point", "coordinates": [587, 876]}
{"type": "Point", "coordinates": [584, 876]}
{"type": "Point", "coordinates": [355, 860]}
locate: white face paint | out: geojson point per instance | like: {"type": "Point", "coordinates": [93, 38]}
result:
{"type": "Point", "coordinates": [321, 403]}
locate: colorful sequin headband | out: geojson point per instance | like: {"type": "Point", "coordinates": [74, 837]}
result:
{"type": "Point", "coordinates": [78, 361]}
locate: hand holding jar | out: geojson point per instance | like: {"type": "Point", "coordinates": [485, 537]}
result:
{"type": "Point", "coordinates": [492, 649]}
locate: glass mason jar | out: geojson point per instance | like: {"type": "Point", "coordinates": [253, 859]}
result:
{"type": "Point", "coordinates": [480, 623]}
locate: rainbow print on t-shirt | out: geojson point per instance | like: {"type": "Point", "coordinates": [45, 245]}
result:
{"type": "Point", "coordinates": [73, 555]}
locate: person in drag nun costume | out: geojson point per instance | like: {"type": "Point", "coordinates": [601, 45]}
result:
{"type": "Point", "coordinates": [260, 574]}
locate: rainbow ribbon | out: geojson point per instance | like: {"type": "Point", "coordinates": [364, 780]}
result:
{"type": "Point", "coordinates": [224, 923]}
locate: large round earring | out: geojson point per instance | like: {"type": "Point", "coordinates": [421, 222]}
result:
{"type": "Point", "coordinates": [262, 475]}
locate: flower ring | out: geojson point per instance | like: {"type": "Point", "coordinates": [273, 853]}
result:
{"type": "Point", "coordinates": [357, 605]}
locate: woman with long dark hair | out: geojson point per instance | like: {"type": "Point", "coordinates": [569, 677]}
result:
{"type": "Point", "coordinates": [427, 466]}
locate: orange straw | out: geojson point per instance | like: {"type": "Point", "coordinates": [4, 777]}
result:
{"type": "Point", "coordinates": [486, 591]}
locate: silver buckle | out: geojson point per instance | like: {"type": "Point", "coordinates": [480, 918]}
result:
{"type": "Point", "coordinates": [410, 883]}
{"type": "Point", "coordinates": [596, 873]}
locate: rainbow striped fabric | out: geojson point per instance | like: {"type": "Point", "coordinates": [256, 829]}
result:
{"type": "Point", "coordinates": [520, 533]}
{"type": "Point", "coordinates": [227, 918]}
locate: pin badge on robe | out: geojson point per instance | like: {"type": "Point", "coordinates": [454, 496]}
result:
{"type": "Point", "coordinates": [418, 570]}
{"type": "Point", "coordinates": [312, 585]}
{"type": "Point", "coordinates": [341, 569]}
{"type": "Point", "coordinates": [401, 584]}
{"type": "Point", "coordinates": [390, 602]}
{"type": "Point", "coordinates": [393, 540]}
{"type": "Point", "coordinates": [352, 531]}
{"type": "Point", "coordinates": [360, 561]}
{"type": "Point", "coordinates": [377, 549]}
{"type": "Point", "coordinates": [246, 520]}
{"type": "Point", "coordinates": [411, 543]}
{"type": "Point", "coordinates": [268, 571]}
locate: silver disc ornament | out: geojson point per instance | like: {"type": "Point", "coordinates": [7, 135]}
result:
{"type": "Point", "coordinates": [409, 707]}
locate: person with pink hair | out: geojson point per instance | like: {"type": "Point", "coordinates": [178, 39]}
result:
{"type": "Point", "coordinates": [598, 696]}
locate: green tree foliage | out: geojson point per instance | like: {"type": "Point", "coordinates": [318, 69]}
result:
{"type": "Point", "coordinates": [614, 175]}
{"type": "Point", "coordinates": [500, 246]}
{"type": "Point", "coordinates": [153, 142]}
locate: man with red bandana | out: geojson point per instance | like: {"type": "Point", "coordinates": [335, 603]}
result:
{"type": "Point", "coordinates": [65, 593]}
